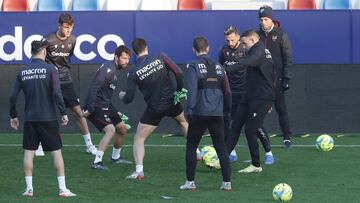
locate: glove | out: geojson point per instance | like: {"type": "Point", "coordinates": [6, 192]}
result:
{"type": "Point", "coordinates": [180, 95]}
{"type": "Point", "coordinates": [285, 84]}
{"type": "Point", "coordinates": [125, 119]}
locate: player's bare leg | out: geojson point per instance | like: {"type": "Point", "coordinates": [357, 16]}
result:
{"type": "Point", "coordinates": [180, 119]}
{"type": "Point", "coordinates": [120, 133]}
{"type": "Point", "coordinates": [142, 133]}
{"type": "Point", "coordinates": [109, 131]}
{"type": "Point", "coordinates": [84, 129]}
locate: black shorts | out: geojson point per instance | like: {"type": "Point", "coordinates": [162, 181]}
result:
{"type": "Point", "coordinates": [103, 117]}
{"type": "Point", "coordinates": [46, 132]}
{"type": "Point", "coordinates": [69, 94]}
{"type": "Point", "coordinates": [153, 117]}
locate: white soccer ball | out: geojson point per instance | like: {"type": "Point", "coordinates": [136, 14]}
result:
{"type": "Point", "coordinates": [209, 157]}
{"type": "Point", "coordinates": [324, 143]}
{"type": "Point", "coordinates": [282, 192]}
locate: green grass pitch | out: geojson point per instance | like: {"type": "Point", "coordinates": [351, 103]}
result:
{"type": "Point", "coordinates": [313, 175]}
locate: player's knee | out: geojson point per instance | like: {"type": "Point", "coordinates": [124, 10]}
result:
{"type": "Point", "coordinates": [120, 129]}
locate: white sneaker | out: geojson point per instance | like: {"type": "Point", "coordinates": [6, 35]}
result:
{"type": "Point", "coordinates": [28, 193]}
{"type": "Point", "coordinates": [225, 186]}
{"type": "Point", "coordinates": [66, 193]}
{"type": "Point", "coordinates": [136, 176]}
{"type": "Point", "coordinates": [251, 169]}
{"type": "Point", "coordinates": [91, 149]}
{"type": "Point", "coordinates": [39, 151]}
{"type": "Point", "coordinates": [189, 185]}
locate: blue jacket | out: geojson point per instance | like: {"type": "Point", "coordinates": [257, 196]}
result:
{"type": "Point", "coordinates": [41, 86]}
{"type": "Point", "coordinates": [208, 88]}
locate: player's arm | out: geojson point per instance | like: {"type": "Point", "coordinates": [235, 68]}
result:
{"type": "Point", "coordinates": [14, 122]}
{"type": "Point", "coordinates": [287, 56]}
{"type": "Point", "coordinates": [97, 82]}
{"type": "Point", "coordinates": [129, 95]}
{"type": "Point", "coordinates": [254, 59]}
{"type": "Point", "coordinates": [192, 85]}
{"type": "Point", "coordinates": [227, 95]}
{"type": "Point", "coordinates": [176, 70]}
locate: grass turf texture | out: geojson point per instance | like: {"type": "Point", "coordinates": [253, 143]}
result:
{"type": "Point", "coordinates": [314, 176]}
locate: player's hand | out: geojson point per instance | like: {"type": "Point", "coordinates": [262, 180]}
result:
{"type": "Point", "coordinates": [14, 123]}
{"type": "Point", "coordinates": [64, 120]}
{"type": "Point", "coordinates": [85, 113]}
{"type": "Point", "coordinates": [125, 119]}
{"type": "Point", "coordinates": [122, 94]}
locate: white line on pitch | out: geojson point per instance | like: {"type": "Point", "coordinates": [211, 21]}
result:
{"type": "Point", "coordinates": [169, 145]}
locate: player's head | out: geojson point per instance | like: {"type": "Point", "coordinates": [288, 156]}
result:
{"type": "Point", "coordinates": [200, 45]}
{"type": "Point", "coordinates": [232, 37]}
{"type": "Point", "coordinates": [139, 46]}
{"type": "Point", "coordinates": [66, 25]}
{"type": "Point", "coordinates": [266, 17]}
{"type": "Point", "coordinates": [122, 56]}
{"type": "Point", "coordinates": [38, 48]}
{"type": "Point", "coordinates": [249, 38]}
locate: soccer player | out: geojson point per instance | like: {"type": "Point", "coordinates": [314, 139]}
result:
{"type": "Point", "coordinates": [102, 113]}
{"type": "Point", "coordinates": [278, 43]}
{"type": "Point", "coordinates": [260, 77]}
{"type": "Point", "coordinates": [61, 47]}
{"type": "Point", "coordinates": [152, 75]}
{"type": "Point", "coordinates": [40, 83]}
{"type": "Point", "coordinates": [209, 99]}
{"type": "Point", "coordinates": [231, 53]}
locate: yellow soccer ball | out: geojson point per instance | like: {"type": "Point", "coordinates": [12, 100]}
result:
{"type": "Point", "coordinates": [282, 192]}
{"type": "Point", "coordinates": [324, 143]}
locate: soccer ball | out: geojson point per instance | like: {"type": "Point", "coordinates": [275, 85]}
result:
{"type": "Point", "coordinates": [209, 157]}
{"type": "Point", "coordinates": [324, 142]}
{"type": "Point", "coordinates": [282, 192]}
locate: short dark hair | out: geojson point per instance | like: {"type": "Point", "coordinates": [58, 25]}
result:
{"type": "Point", "coordinates": [122, 49]}
{"type": "Point", "coordinates": [200, 44]}
{"type": "Point", "coordinates": [249, 33]}
{"type": "Point", "coordinates": [231, 29]}
{"type": "Point", "coordinates": [38, 45]}
{"type": "Point", "coordinates": [138, 45]}
{"type": "Point", "coordinates": [66, 18]}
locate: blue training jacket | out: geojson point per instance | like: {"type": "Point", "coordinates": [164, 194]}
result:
{"type": "Point", "coordinates": [41, 86]}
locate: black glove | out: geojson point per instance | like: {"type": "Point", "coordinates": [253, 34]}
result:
{"type": "Point", "coordinates": [285, 85]}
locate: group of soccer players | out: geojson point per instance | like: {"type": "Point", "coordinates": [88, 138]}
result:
{"type": "Point", "coordinates": [222, 97]}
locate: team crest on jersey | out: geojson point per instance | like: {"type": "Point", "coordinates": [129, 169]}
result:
{"type": "Point", "coordinates": [274, 38]}
{"type": "Point", "coordinates": [227, 53]}
{"type": "Point", "coordinates": [62, 46]}
{"type": "Point", "coordinates": [56, 46]}
{"type": "Point", "coordinates": [69, 46]}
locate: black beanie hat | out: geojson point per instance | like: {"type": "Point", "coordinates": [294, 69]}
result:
{"type": "Point", "coordinates": [265, 11]}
